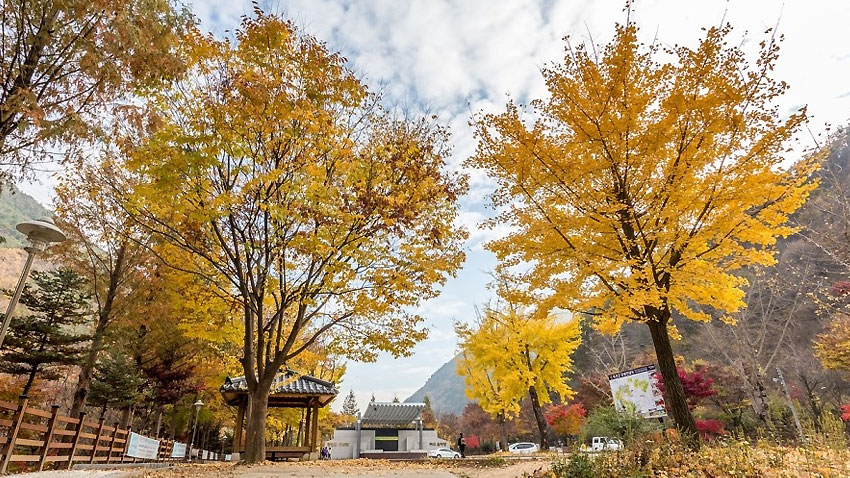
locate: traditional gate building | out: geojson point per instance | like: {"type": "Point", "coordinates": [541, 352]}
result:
{"type": "Point", "coordinates": [388, 431]}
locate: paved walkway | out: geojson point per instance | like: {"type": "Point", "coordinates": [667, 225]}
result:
{"type": "Point", "coordinates": [342, 469]}
{"type": "Point", "coordinates": [83, 474]}
{"type": "Point", "coordinates": [339, 469]}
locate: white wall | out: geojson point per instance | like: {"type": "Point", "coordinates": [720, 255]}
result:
{"type": "Point", "coordinates": [344, 443]}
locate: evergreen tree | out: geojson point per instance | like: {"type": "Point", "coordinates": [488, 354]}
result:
{"type": "Point", "coordinates": [429, 420]}
{"type": "Point", "coordinates": [117, 381]}
{"type": "Point", "coordinates": [39, 343]}
{"type": "Point", "coordinates": [349, 407]}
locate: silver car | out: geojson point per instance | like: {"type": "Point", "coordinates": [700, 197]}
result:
{"type": "Point", "coordinates": [523, 447]}
{"type": "Point", "coordinates": [443, 453]}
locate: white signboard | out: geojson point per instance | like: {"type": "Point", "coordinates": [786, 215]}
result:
{"type": "Point", "coordinates": [142, 447]}
{"type": "Point", "coordinates": [179, 450]}
{"type": "Point", "coordinates": [637, 389]}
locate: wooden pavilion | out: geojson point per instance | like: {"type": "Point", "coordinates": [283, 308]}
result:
{"type": "Point", "coordinates": [289, 390]}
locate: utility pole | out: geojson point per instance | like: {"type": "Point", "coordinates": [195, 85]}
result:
{"type": "Point", "coordinates": [791, 404]}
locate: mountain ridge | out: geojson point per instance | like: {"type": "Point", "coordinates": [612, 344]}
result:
{"type": "Point", "coordinates": [17, 206]}
{"type": "Point", "coordinates": [445, 388]}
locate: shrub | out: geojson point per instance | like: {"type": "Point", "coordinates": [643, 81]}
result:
{"type": "Point", "coordinates": [608, 422]}
{"type": "Point", "coordinates": [577, 465]}
{"type": "Point", "coordinates": [710, 429]}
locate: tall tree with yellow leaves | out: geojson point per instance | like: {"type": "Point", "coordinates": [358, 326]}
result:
{"type": "Point", "coordinates": [323, 216]}
{"type": "Point", "coordinates": [512, 354]}
{"type": "Point", "coordinates": [645, 180]}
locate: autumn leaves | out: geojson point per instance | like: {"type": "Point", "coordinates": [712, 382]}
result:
{"type": "Point", "coordinates": [643, 183]}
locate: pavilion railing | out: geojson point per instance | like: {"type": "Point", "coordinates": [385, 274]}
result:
{"type": "Point", "coordinates": [34, 438]}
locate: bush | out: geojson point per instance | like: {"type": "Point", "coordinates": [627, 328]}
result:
{"type": "Point", "coordinates": [577, 465]}
{"type": "Point", "coordinates": [608, 422]}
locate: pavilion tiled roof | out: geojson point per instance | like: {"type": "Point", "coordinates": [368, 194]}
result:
{"type": "Point", "coordinates": [288, 382]}
{"type": "Point", "coordinates": [384, 413]}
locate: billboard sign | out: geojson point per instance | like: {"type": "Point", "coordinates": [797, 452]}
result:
{"type": "Point", "coordinates": [637, 390]}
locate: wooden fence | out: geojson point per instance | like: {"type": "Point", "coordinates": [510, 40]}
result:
{"type": "Point", "coordinates": [40, 437]}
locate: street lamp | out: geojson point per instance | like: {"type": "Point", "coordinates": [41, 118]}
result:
{"type": "Point", "coordinates": [40, 234]}
{"type": "Point", "coordinates": [197, 408]}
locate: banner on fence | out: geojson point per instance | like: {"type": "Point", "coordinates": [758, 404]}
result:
{"type": "Point", "coordinates": [142, 447]}
{"type": "Point", "coordinates": [179, 450]}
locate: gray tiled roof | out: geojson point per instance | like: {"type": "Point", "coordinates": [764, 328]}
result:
{"type": "Point", "coordinates": [384, 413]}
{"type": "Point", "coordinates": [288, 382]}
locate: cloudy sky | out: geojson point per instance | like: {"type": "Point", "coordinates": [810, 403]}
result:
{"type": "Point", "coordinates": [455, 57]}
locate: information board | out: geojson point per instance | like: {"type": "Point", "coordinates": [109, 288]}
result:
{"type": "Point", "coordinates": [637, 389]}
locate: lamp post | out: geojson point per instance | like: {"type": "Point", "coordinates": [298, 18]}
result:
{"type": "Point", "coordinates": [196, 407]}
{"type": "Point", "coordinates": [40, 234]}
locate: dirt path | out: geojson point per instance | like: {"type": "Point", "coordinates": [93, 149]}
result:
{"type": "Point", "coordinates": [83, 474]}
{"type": "Point", "coordinates": [345, 469]}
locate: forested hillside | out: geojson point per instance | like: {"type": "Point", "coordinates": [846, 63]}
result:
{"type": "Point", "coordinates": [445, 389]}
{"type": "Point", "coordinates": [17, 206]}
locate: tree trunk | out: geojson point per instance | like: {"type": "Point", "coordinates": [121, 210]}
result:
{"type": "Point", "coordinates": [81, 394]}
{"type": "Point", "coordinates": [503, 428]}
{"type": "Point", "coordinates": [538, 417]}
{"type": "Point", "coordinates": [173, 432]}
{"type": "Point", "coordinates": [255, 434]}
{"type": "Point", "coordinates": [157, 423]}
{"type": "Point", "coordinates": [676, 401]}
{"type": "Point", "coordinates": [125, 417]}
{"type": "Point", "coordinates": [30, 380]}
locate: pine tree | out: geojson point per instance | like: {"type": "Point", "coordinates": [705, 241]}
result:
{"type": "Point", "coordinates": [117, 381]}
{"type": "Point", "coordinates": [429, 420]}
{"type": "Point", "coordinates": [39, 343]}
{"type": "Point", "coordinates": [349, 407]}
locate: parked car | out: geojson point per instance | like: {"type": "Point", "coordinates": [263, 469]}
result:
{"type": "Point", "coordinates": [523, 447]}
{"type": "Point", "coordinates": [443, 453]}
{"type": "Point", "coordinates": [605, 444]}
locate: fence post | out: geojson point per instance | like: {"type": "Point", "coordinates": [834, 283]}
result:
{"type": "Point", "coordinates": [126, 444]}
{"type": "Point", "coordinates": [48, 436]}
{"type": "Point", "coordinates": [97, 439]}
{"type": "Point", "coordinates": [76, 440]}
{"type": "Point", "coordinates": [17, 419]}
{"type": "Point", "coordinates": [112, 443]}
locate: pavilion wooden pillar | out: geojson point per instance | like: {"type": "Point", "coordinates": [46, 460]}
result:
{"type": "Point", "coordinates": [240, 422]}
{"type": "Point", "coordinates": [315, 429]}
{"type": "Point", "coordinates": [307, 435]}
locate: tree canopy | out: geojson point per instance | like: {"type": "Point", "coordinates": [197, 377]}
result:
{"type": "Point", "coordinates": [293, 193]}
{"type": "Point", "coordinates": [512, 354]}
{"type": "Point", "coordinates": [63, 61]}
{"type": "Point", "coordinates": [646, 180]}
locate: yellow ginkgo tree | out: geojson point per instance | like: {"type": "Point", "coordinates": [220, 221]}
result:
{"type": "Point", "coordinates": [511, 354]}
{"type": "Point", "coordinates": [323, 217]}
{"type": "Point", "coordinates": [645, 179]}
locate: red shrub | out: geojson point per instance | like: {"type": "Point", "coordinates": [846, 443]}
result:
{"type": "Point", "coordinates": [710, 429]}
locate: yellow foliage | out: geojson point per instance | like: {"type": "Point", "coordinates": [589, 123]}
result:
{"type": "Point", "coordinates": [833, 346]}
{"type": "Point", "coordinates": [641, 185]}
{"type": "Point", "coordinates": [510, 352]}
